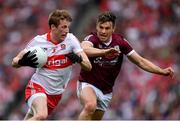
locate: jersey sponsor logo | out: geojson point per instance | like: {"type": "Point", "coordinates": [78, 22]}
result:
{"type": "Point", "coordinates": [106, 62]}
{"type": "Point", "coordinates": [57, 62]}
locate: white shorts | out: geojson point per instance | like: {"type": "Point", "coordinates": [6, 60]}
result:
{"type": "Point", "coordinates": [102, 99]}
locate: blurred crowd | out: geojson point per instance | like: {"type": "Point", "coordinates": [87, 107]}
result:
{"type": "Point", "coordinates": [151, 26]}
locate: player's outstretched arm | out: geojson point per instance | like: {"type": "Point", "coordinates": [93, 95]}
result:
{"type": "Point", "coordinates": [149, 66]}
{"type": "Point", "coordinates": [92, 52]}
{"type": "Point", "coordinates": [24, 58]}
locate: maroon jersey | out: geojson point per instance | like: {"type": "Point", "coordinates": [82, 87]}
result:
{"type": "Point", "coordinates": [105, 69]}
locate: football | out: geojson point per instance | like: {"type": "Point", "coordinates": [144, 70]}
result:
{"type": "Point", "coordinates": [40, 54]}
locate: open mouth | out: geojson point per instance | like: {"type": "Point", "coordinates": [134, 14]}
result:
{"type": "Point", "coordinates": [103, 36]}
{"type": "Point", "coordinates": [63, 35]}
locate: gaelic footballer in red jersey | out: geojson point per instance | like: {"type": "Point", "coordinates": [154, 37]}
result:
{"type": "Point", "coordinates": [47, 84]}
{"type": "Point", "coordinates": [105, 50]}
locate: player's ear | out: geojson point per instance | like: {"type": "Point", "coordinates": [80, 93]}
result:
{"type": "Point", "coordinates": [113, 30]}
{"type": "Point", "coordinates": [53, 26]}
{"type": "Point", "coordinates": [96, 27]}
{"type": "Point", "coordinates": [114, 27]}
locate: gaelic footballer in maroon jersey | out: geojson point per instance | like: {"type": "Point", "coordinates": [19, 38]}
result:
{"type": "Point", "coordinates": [105, 51]}
{"type": "Point", "coordinates": [105, 69]}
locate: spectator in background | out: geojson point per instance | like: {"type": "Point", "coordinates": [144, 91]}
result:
{"type": "Point", "coordinates": [47, 84]}
{"type": "Point", "coordinates": [21, 20]}
{"type": "Point", "coordinates": [105, 50]}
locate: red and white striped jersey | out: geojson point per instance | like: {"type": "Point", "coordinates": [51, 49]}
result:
{"type": "Point", "coordinates": [55, 74]}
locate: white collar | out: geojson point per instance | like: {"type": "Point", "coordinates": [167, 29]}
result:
{"type": "Point", "coordinates": [108, 43]}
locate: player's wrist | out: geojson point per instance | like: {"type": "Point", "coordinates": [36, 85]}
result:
{"type": "Point", "coordinates": [15, 62]}
{"type": "Point", "coordinates": [162, 72]}
{"type": "Point", "coordinates": [104, 51]}
{"type": "Point", "coordinates": [80, 59]}
{"type": "Point", "coordinates": [74, 57]}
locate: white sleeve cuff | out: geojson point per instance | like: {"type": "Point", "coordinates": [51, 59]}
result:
{"type": "Point", "coordinates": [130, 52]}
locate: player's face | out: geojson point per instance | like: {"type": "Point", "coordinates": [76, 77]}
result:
{"type": "Point", "coordinates": [104, 31]}
{"type": "Point", "coordinates": [61, 31]}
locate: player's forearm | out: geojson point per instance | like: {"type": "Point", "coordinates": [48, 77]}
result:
{"type": "Point", "coordinates": [150, 67]}
{"type": "Point", "coordinates": [85, 65]}
{"type": "Point", "coordinates": [92, 52]}
{"type": "Point", "coordinates": [15, 62]}
{"type": "Point", "coordinates": [17, 58]}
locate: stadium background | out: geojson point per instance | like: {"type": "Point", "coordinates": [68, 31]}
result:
{"type": "Point", "coordinates": [151, 26]}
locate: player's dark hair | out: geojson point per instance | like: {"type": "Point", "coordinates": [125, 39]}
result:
{"type": "Point", "coordinates": [106, 17]}
{"type": "Point", "coordinates": [57, 15]}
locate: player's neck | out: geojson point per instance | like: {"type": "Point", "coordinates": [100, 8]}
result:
{"type": "Point", "coordinates": [108, 41]}
{"type": "Point", "coordinates": [55, 39]}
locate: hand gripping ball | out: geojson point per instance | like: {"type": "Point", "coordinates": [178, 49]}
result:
{"type": "Point", "coordinates": [40, 54]}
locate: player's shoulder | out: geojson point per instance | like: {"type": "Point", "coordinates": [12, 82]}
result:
{"type": "Point", "coordinates": [40, 38]}
{"type": "Point", "coordinates": [91, 37]}
{"type": "Point", "coordinates": [117, 36]}
{"type": "Point", "coordinates": [70, 37]}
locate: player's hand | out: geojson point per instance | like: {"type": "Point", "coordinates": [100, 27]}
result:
{"type": "Point", "coordinates": [74, 57]}
{"type": "Point", "coordinates": [112, 52]}
{"type": "Point", "coordinates": [28, 59]}
{"type": "Point", "coordinates": [169, 72]}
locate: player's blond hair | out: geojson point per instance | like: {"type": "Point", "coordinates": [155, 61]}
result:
{"type": "Point", "coordinates": [58, 15]}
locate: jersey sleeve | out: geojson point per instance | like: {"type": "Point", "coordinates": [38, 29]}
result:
{"type": "Point", "coordinates": [126, 48]}
{"type": "Point", "coordinates": [30, 44]}
{"type": "Point", "coordinates": [90, 39]}
{"type": "Point", "coordinates": [76, 44]}
{"type": "Point", "coordinates": [33, 42]}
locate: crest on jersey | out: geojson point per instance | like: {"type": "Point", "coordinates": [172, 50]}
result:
{"type": "Point", "coordinates": [63, 46]}
{"type": "Point", "coordinates": [117, 47]}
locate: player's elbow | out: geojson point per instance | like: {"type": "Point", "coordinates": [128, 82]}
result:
{"type": "Point", "coordinates": [86, 65]}
{"type": "Point", "coordinates": [89, 67]}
